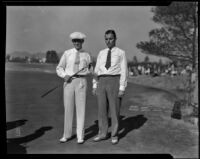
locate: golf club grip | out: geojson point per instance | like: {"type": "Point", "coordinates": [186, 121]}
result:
{"type": "Point", "coordinates": [77, 72]}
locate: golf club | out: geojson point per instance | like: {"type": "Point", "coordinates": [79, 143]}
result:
{"type": "Point", "coordinates": [52, 89]}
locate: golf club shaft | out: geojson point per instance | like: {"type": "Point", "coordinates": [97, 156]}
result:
{"type": "Point", "coordinates": [49, 91]}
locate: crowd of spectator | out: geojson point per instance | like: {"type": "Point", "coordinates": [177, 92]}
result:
{"type": "Point", "coordinates": [155, 69]}
{"type": "Point", "coordinates": [172, 70]}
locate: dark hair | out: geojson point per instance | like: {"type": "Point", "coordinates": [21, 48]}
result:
{"type": "Point", "coordinates": [111, 32]}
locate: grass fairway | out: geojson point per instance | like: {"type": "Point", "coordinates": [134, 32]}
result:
{"type": "Point", "coordinates": [149, 130]}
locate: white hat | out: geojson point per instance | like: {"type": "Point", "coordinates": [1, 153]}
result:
{"type": "Point", "coordinates": [77, 35]}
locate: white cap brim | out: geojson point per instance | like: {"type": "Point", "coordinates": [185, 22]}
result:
{"type": "Point", "coordinates": [77, 35]}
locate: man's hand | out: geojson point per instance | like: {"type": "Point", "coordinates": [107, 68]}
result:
{"type": "Point", "coordinates": [94, 91]}
{"type": "Point", "coordinates": [121, 93]}
{"type": "Point", "coordinates": [67, 78]}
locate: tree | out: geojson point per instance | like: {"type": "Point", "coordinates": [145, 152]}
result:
{"type": "Point", "coordinates": [7, 57]}
{"type": "Point", "coordinates": [177, 36]}
{"type": "Point", "coordinates": [34, 59]}
{"type": "Point", "coordinates": [146, 59]}
{"type": "Point", "coordinates": [160, 62]}
{"type": "Point", "coordinates": [135, 61]}
{"type": "Point", "coordinates": [52, 57]}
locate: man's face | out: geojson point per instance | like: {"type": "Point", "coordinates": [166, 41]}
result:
{"type": "Point", "coordinates": [110, 40]}
{"type": "Point", "coordinates": [77, 43]}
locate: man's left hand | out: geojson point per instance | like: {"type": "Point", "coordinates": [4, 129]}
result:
{"type": "Point", "coordinates": [121, 93]}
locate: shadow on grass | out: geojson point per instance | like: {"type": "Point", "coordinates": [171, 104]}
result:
{"type": "Point", "coordinates": [130, 123]}
{"type": "Point", "coordinates": [14, 124]}
{"type": "Point", "coordinates": [91, 131]}
{"type": "Point", "coordinates": [126, 125]}
{"type": "Point", "coordinates": [14, 144]}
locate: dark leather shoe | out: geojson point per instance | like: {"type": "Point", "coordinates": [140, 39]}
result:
{"type": "Point", "coordinates": [99, 138]}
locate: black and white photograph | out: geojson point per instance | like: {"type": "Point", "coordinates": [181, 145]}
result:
{"type": "Point", "coordinates": [102, 79]}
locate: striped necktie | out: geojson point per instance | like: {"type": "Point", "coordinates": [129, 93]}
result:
{"type": "Point", "coordinates": [108, 62]}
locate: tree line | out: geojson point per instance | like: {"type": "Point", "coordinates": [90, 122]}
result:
{"type": "Point", "coordinates": [51, 57]}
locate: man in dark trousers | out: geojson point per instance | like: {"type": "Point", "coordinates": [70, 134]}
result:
{"type": "Point", "coordinates": [109, 85]}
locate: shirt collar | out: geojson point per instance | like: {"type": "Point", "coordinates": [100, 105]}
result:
{"type": "Point", "coordinates": [81, 50]}
{"type": "Point", "coordinates": [113, 49]}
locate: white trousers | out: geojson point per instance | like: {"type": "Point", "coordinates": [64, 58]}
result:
{"type": "Point", "coordinates": [74, 95]}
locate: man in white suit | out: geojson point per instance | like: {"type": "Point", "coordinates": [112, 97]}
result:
{"type": "Point", "coordinates": [71, 62]}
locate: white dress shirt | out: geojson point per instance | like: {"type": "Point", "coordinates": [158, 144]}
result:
{"type": "Point", "coordinates": [73, 61]}
{"type": "Point", "coordinates": [118, 66]}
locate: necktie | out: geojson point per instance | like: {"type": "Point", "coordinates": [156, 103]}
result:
{"type": "Point", "coordinates": [108, 62]}
{"type": "Point", "coordinates": [76, 62]}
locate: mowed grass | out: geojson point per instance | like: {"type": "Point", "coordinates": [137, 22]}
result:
{"type": "Point", "coordinates": [23, 99]}
{"type": "Point", "coordinates": [141, 132]}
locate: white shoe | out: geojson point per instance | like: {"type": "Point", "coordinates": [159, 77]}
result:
{"type": "Point", "coordinates": [80, 141]}
{"type": "Point", "coordinates": [63, 139]}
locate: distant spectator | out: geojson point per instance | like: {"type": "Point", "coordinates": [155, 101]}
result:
{"type": "Point", "coordinates": [179, 68]}
{"type": "Point", "coordinates": [155, 70]}
{"type": "Point", "coordinates": [139, 69]}
{"type": "Point", "coordinates": [135, 71]}
{"type": "Point", "coordinates": [194, 81]}
{"type": "Point", "coordinates": [147, 70]}
{"type": "Point", "coordinates": [174, 73]}
{"type": "Point", "coordinates": [130, 71]}
{"type": "Point", "coordinates": [142, 70]}
{"type": "Point", "coordinates": [189, 68]}
{"type": "Point", "coordinates": [188, 85]}
{"type": "Point", "coordinates": [183, 72]}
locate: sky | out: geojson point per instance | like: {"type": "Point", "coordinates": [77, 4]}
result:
{"type": "Point", "coordinates": [42, 28]}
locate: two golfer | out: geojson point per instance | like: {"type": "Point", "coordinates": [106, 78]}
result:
{"type": "Point", "coordinates": [110, 81]}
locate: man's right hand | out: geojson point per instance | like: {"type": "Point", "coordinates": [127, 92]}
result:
{"type": "Point", "coordinates": [67, 78]}
{"type": "Point", "coordinates": [94, 91]}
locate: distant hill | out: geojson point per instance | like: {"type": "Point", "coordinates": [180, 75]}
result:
{"type": "Point", "coordinates": [20, 54]}
{"type": "Point", "coordinates": [38, 55]}
{"type": "Point", "coordinates": [25, 53]}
